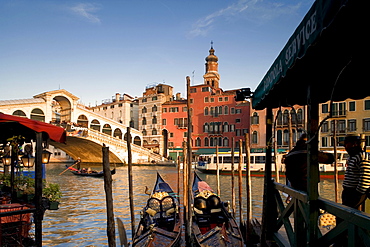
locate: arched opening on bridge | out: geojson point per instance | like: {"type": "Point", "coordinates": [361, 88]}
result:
{"type": "Point", "coordinates": [19, 113]}
{"type": "Point", "coordinates": [82, 121]}
{"type": "Point", "coordinates": [38, 114]}
{"type": "Point", "coordinates": [165, 142]}
{"type": "Point", "coordinates": [145, 143]}
{"type": "Point", "coordinates": [137, 141]}
{"type": "Point", "coordinates": [155, 146]}
{"type": "Point", "coordinates": [62, 109]}
{"type": "Point", "coordinates": [107, 129]}
{"type": "Point", "coordinates": [95, 125]}
{"type": "Point", "coordinates": [117, 133]}
{"type": "Point", "coordinates": [125, 137]}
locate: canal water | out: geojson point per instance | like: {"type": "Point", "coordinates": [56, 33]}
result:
{"type": "Point", "coordinates": [81, 219]}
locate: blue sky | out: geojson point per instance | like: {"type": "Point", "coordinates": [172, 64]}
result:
{"type": "Point", "coordinates": [95, 49]}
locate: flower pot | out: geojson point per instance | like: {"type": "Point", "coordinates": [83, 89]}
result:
{"type": "Point", "coordinates": [53, 205]}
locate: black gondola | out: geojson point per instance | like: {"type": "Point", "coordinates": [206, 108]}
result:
{"type": "Point", "coordinates": [88, 173]}
{"type": "Point", "coordinates": [212, 224]}
{"type": "Point", "coordinates": [160, 224]}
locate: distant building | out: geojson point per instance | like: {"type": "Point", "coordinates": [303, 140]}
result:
{"type": "Point", "coordinates": [121, 108]}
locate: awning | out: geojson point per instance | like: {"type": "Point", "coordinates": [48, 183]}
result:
{"type": "Point", "coordinates": [326, 52]}
{"type": "Point", "coordinates": [211, 150]}
{"type": "Point", "coordinates": [13, 126]}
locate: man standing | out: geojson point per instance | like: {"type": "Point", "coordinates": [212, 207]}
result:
{"type": "Point", "coordinates": [357, 176]}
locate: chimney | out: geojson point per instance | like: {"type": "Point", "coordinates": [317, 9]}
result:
{"type": "Point", "coordinates": [178, 96]}
{"type": "Point", "coordinates": [117, 97]}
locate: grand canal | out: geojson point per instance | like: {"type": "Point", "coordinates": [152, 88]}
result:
{"type": "Point", "coordinates": [81, 219]}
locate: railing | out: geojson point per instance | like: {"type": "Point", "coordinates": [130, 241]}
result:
{"type": "Point", "coordinates": [353, 226]}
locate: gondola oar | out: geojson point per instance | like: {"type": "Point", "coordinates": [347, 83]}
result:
{"type": "Point", "coordinates": [77, 162]}
{"type": "Point", "coordinates": [122, 233]}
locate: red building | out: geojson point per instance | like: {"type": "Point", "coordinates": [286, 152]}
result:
{"type": "Point", "coordinates": [216, 117]}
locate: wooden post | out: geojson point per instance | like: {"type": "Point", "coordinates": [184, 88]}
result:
{"type": "Point", "coordinates": [38, 190]}
{"type": "Point", "coordinates": [233, 202]}
{"type": "Point", "coordinates": [335, 161]}
{"type": "Point", "coordinates": [218, 173]}
{"type": "Point", "coordinates": [312, 212]}
{"type": "Point", "coordinates": [178, 175]}
{"type": "Point", "coordinates": [269, 205]}
{"type": "Point", "coordinates": [111, 233]}
{"type": "Point", "coordinates": [130, 182]}
{"type": "Point", "coordinates": [248, 183]}
{"type": "Point", "coordinates": [240, 173]}
{"type": "Point", "coordinates": [188, 238]}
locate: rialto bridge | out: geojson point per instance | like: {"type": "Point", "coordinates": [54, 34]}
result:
{"type": "Point", "coordinates": [86, 130]}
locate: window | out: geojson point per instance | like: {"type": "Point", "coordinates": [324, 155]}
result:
{"type": "Point", "coordinates": [184, 109]}
{"type": "Point", "coordinates": [206, 111]}
{"type": "Point", "coordinates": [238, 132]}
{"type": "Point", "coordinates": [324, 108]}
{"type": "Point", "coordinates": [254, 137]}
{"type": "Point", "coordinates": [255, 118]}
{"type": "Point", "coordinates": [352, 106]}
{"type": "Point", "coordinates": [352, 125]}
{"type": "Point", "coordinates": [367, 104]}
{"type": "Point", "coordinates": [154, 132]}
{"type": "Point", "coordinates": [226, 142]}
{"type": "Point", "coordinates": [286, 117]}
{"type": "Point", "coordinates": [164, 109]}
{"type": "Point", "coordinates": [324, 141]}
{"type": "Point", "coordinates": [198, 142]}
{"type": "Point", "coordinates": [191, 101]}
{"type": "Point", "coordinates": [206, 142]}
{"type": "Point", "coordinates": [144, 132]}
{"type": "Point", "coordinates": [367, 124]}
{"type": "Point", "coordinates": [193, 90]}
{"type": "Point", "coordinates": [238, 111]}
{"type": "Point", "coordinates": [339, 109]}
{"type": "Point", "coordinates": [220, 99]}
{"type": "Point", "coordinates": [171, 134]}
{"type": "Point", "coordinates": [143, 100]}
{"type": "Point", "coordinates": [154, 98]}
{"type": "Point", "coordinates": [237, 120]}
{"type": "Point", "coordinates": [170, 144]}
{"type": "Point", "coordinates": [206, 99]}
{"type": "Point", "coordinates": [164, 121]}
{"type": "Point", "coordinates": [226, 98]}
{"type": "Point", "coordinates": [144, 110]}
{"type": "Point", "coordinates": [232, 111]}
{"type": "Point", "coordinates": [300, 116]}
{"type": "Point", "coordinates": [144, 121]}
{"type": "Point", "coordinates": [226, 110]}
{"type": "Point", "coordinates": [212, 99]}
{"type": "Point", "coordinates": [154, 120]}
{"type": "Point", "coordinates": [174, 109]}
{"type": "Point", "coordinates": [154, 108]}
{"type": "Point", "coordinates": [205, 89]}
{"type": "Point", "coordinates": [325, 127]}
{"type": "Point", "coordinates": [205, 128]}
{"type": "Point", "coordinates": [226, 127]}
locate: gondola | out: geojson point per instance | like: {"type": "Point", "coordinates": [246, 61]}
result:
{"type": "Point", "coordinates": [160, 224]}
{"type": "Point", "coordinates": [87, 173]}
{"type": "Point", "coordinates": [212, 224]}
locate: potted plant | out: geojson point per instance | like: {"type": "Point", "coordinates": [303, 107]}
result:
{"type": "Point", "coordinates": [53, 194]}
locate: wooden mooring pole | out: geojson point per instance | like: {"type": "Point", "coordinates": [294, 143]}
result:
{"type": "Point", "coordinates": [111, 232]}
{"type": "Point", "coordinates": [130, 182]}
{"type": "Point", "coordinates": [248, 183]}
{"type": "Point", "coordinates": [233, 201]}
{"type": "Point", "coordinates": [240, 174]}
{"type": "Point", "coordinates": [218, 172]}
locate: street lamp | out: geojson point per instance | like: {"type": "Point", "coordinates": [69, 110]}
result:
{"type": "Point", "coordinates": [45, 157]}
{"type": "Point", "coordinates": [28, 161]}
{"type": "Point", "coordinates": [7, 160]}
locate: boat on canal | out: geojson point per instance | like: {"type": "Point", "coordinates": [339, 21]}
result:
{"type": "Point", "coordinates": [207, 163]}
{"type": "Point", "coordinates": [160, 223]}
{"type": "Point", "coordinates": [88, 172]}
{"type": "Point", "coordinates": [212, 224]}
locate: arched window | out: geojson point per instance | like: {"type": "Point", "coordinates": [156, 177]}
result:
{"type": "Point", "coordinates": [137, 141]}
{"type": "Point", "coordinates": [219, 141]}
{"type": "Point", "coordinates": [286, 117]}
{"type": "Point", "coordinates": [206, 142]}
{"type": "Point", "coordinates": [279, 138]}
{"type": "Point", "coordinates": [293, 117]}
{"type": "Point", "coordinates": [107, 129]}
{"type": "Point", "coordinates": [300, 116]}
{"type": "Point", "coordinates": [211, 143]}
{"type": "Point", "coordinates": [144, 133]}
{"type": "Point", "coordinates": [279, 118]}
{"type": "Point", "coordinates": [212, 111]}
{"type": "Point", "coordinates": [226, 127]}
{"type": "Point", "coordinates": [19, 113]}
{"type": "Point", "coordinates": [82, 121]}
{"type": "Point", "coordinates": [117, 133]}
{"type": "Point", "coordinates": [38, 114]}
{"type": "Point", "coordinates": [255, 118]}
{"type": "Point", "coordinates": [226, 110]}
{"type": "Point", "coordinates": [154, 108]}
{"type": "Point", "coordinates": [226, 142]}
{"type": "Point", "coordinates": [95, 125]}
{"type": "Point", "coordinates": [206, 111]}
{"type": "Point", "coordinates": [286, 137]}
{"type": "Point", "coordinates": [198, 142]}
{"type": "Point", "coordinates": [154, 120]}
{"type": "Point", "coordinates": [205, 128]}
{"type": "Point", "coordinates": [144, 121]}
{"type": "Point", "coordinates": [255, 137]}
{"type": "Point", "coordinates": [144, 110]}
{"type": "Point", "coordinates": [220, 110]}
{"type": "Point", "coordinates": [154, 131]}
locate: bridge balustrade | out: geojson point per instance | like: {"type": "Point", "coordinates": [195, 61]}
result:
{"type": "Point", "coordinates": [293, 219]}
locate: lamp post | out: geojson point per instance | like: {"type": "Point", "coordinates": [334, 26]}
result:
{"type": "Point", "coordinates": [28, 161]}
{"type": "Point", "coordinates": [7, 160]}
{"type": "Point", "coordinates": [45, 157]}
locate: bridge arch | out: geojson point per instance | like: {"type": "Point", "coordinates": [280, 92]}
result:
{"type": "Point", "coordinates": [95, 125]}
{"type": "Point", "coordinates": [107, 129]}
{"type": "Point", "coordinates": [137, 141]}
{"type": "Point", "coordinates": [62, 109]}
{"type": "Point", "coordinates": [19, 113]}
{"type": "Point", "coordinates": [38, 114]}
{"type": "Point", "coordinates": [82, 121]}
{"type": "Point", "coordinates": [117, 133]}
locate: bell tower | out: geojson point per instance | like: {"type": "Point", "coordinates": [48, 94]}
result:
{"type": "Point", "coordinates": [211, 77]}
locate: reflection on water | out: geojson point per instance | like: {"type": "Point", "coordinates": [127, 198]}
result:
{"type": "Point", "coordinates": [81, 219]}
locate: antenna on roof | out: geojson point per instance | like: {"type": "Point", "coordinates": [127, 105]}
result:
{"type": "Point", "coordinates": [193, 75]}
